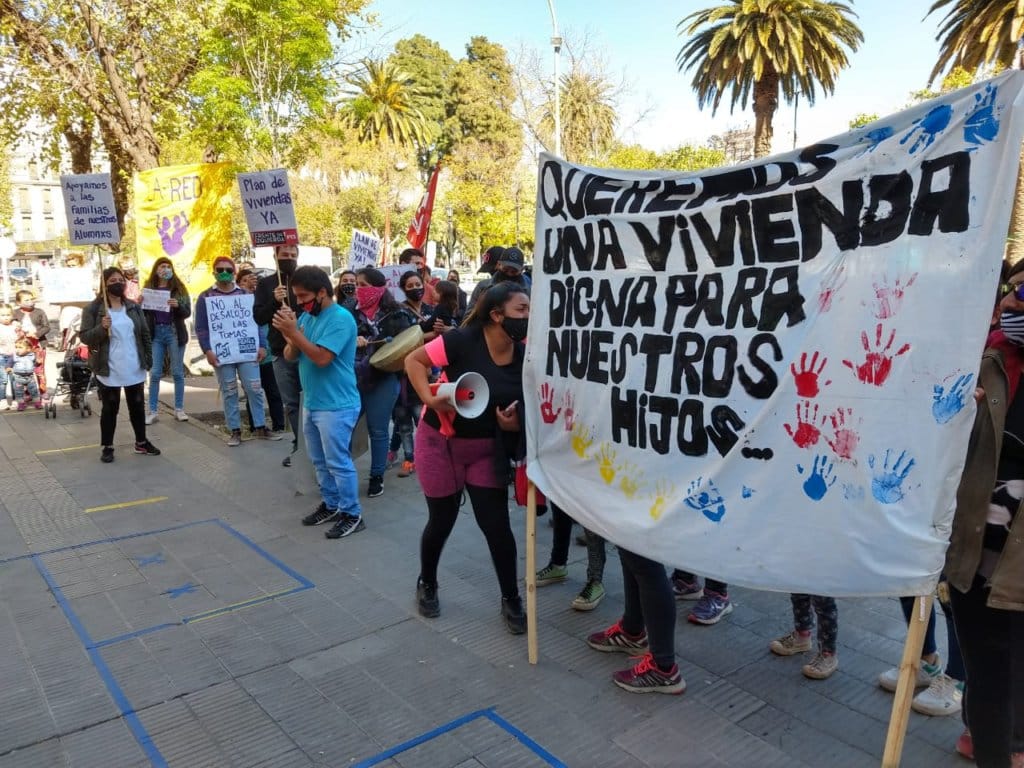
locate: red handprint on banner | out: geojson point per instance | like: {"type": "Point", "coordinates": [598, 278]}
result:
{"type": "Point", "coordinates": [829, 288]}
{"type": "Point", "coordinates": [844, 438]}
{"type": "Point", "coordinates": [547, 411]}
{"type": "Point", "coordinates": [807, 377]}
{"type": "Point", "coordinates": [877, 363]}
{"type": "Point", "coordinates": [569, 416]}
{"type": "Point", "coordinates": [806, 432]}
{"type": "Point", "coordinates": [888, 298]}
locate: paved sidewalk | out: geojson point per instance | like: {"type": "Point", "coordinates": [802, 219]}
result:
{"type": "Point", "coordinates": [172, 611]}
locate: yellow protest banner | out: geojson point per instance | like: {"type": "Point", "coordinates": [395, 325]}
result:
{"type": "Point", "coordinates": [184, 212]}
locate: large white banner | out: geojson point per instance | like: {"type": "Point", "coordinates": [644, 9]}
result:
{"type": "Point", "coordinates": [764, 373]}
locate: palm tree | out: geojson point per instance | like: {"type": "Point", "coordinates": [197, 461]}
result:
{"type": "Point", "coordinates": [978, 33]}
{"type": "Point", "coordinates": [589, 116]}
{"type": "Point", "coordinates": [754, 47]}
{"type": "Point", "coordinates": [382, 106]}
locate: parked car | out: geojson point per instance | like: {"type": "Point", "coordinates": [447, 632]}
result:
{"type": "Point", "coordinates": [20, 275]}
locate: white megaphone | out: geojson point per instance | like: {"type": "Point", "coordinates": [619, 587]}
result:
{"type": "Point", "coordinates": [468, 394]}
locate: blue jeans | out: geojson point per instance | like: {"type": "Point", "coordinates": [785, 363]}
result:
{"type": "Point", "coordinates": [166, 338]}
{"type": "Point", "coordinates": [955, 662]}
{"type": "Point", "coordinates": [227, 376]}
{"type": "Point", "coordinates": [6, 379]}
{"type": "Point", "coordinates": [328, 434]}
{"type": "Point", "coordinates": [378, 404]}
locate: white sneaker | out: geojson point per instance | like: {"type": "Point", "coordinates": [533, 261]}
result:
{"type": "Point", "coordinates": [926, 673]}
{"type": "Point", "coordinates": [943, 697]}
{"type": "Point", "coordinates": [180, 415]}
{"type": "Point", "coordinates": [151, 417]}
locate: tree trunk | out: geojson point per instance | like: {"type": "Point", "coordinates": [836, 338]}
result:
{"type": "Point", "coordinates": [1015, 237]}
{"type": "Point", "coordinates": [79, 139]}
{"type": "Point", "coordinates": [766, 101]}
{"type": "Point", "coordinates": [120, 175]}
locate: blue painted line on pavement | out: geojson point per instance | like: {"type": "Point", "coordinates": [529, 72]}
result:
{"type": "Point", "coordinates": [526, 741]}
{"type": "Point", "coordinates": [245, 539]}
{"type": "Point", "coordinates": [421, 739]}
{"type": "Point", "coordinates": [131, 719]}
{"type": "Point", "coordinates": [136, 633]}
{"type": "Point", "coordinates": [108, 540]}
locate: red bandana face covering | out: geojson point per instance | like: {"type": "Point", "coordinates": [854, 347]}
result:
{"type": "Point", "coordinates": [369, 299]}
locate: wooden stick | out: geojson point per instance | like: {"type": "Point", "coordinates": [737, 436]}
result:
{"type": "Point", "coordinates": [531, 572]}
{"type": "Point", "coordinates": [103, 285]}
{"type": "Point", "coordinates": [905, 686]}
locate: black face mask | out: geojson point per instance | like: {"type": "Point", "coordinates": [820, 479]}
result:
{"type": "Point", "coordinates": [287, 267]}
{"type": "Point", "coordinates": [515, 327]}
{"type": "Point", "coordinates": [116, 289]}
{"type": "Point", "coordinates": [501, 277]}
{"type": "Point", "coordinates": [314, 307]}
{"type": "Point", "coordinates": [348, 289]}
{"type": "Point", "coordinates": [414, 294]}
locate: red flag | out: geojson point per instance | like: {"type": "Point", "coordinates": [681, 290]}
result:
{"type": "Point", "coordinates": [417, 235]}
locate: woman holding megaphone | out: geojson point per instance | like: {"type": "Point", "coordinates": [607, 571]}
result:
{"type": "Point", "coordinates": [457, 450]}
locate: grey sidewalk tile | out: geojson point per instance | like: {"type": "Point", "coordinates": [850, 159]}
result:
{"type": "Point", "coordinates": [107, 744]}
{"type": "Point", "coordinates": [47, 754]}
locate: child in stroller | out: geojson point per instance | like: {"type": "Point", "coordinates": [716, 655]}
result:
{"type": "Point", "coordinates": [75, 379]}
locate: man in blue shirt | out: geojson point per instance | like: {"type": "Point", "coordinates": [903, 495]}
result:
{"type": "Point", "coordinates": [323, 341]}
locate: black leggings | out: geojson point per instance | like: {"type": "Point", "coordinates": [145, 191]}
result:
{"type": "Point", "coordinates": [560, 537]}
{"type": "Point", "coordinates": [110, 400]}
{"type": "Point", "coordinates": [490, 506]}
{"type": "Point", "coordinates": [992, 644]}
{"type": "Point", "coordinates": [650, 605]}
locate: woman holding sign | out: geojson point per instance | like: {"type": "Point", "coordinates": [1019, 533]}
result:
{"type": "Point", "coordinates": [120, 353]}
{"type": "Point", "coordinates": [167, 327]}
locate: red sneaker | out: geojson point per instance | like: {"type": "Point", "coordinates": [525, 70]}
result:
{"type": "Point", "coordinates": [615, 638]}
{"type": "Point", "coordinates": [965, 745]}
{"type": "Point", "coordinates": [645, 677]}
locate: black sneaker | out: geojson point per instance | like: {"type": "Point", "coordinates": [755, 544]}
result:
{"type": "Point", "coordinates": [147, 449]}
{"type": "Point", "coordinates": [376, 486]}
{"type": "Point", "coordinates": [107, 454]}
{"type": "Point", "coordinates": [512, 613]}
{"type": "Point", "coordinates": [426, 597]}
{"type": "Point", "coordinates": [320, 515]}
{"type": "Point", "coordinates": [347, 524]}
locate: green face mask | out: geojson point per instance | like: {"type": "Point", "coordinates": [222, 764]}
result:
{"type": "Point", "coordinates": [224, 277]}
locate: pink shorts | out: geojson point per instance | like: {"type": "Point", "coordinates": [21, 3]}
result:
{"type": "Point", "coordinates": [444, 467]}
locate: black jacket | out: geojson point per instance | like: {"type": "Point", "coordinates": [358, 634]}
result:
{"type": "Point", "coordinates": [265, 305]}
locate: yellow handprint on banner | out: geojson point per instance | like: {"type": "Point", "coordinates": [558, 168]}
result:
{"type": "Point", "coordinates": [582, 438]}
{"type": "Point", "coordinates": [630, 479]}
{"type": "Point", "coordinates": [661, 494]}
{"type": "Point", "coordinates": [606, 463]}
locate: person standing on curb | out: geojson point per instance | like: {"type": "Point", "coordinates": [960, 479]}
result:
{"type": "Point", "coordinates": [322, 342]}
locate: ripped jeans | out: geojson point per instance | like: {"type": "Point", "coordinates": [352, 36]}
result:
{"type": "Point", "coordinates": [227, 376]}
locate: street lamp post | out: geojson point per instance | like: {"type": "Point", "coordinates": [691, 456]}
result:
{"type": "Point", "coordinates": [556, 44]}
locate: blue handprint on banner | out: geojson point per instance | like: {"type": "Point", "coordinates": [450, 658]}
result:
{"type": "Point", "coordinates": [822, 478]}
{"type": "Point", "coordinates": [887, 483]}
{"type": "Point", "coordinates": [946, 405]}
{"type": "Point", "coordinates": [982, 124]}
{"type": "Point", "coordinates": [874, 138]}
{"type": "Point", "coordinates": [709, 503]}
{"type": "Point", "coordinates": [930, 126]}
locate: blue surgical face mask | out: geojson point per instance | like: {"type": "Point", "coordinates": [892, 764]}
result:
{"type": "Point", "coordinates": [1012, 325]}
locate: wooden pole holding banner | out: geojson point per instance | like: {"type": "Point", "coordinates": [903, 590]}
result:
{"type": "Point", "coordinates": [905, 686]}
{"type": "Point", "coordinates": [531, 572]}
{"type": "Point", "coordinates": [103, 283]}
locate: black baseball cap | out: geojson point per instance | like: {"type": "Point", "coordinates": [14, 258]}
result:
{"type": "Point", "coordinates": [512, 257]}
{"type": "Point", "coordinates": [489, 261]}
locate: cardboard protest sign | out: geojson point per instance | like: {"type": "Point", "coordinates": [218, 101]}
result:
{"type": "Point", "coordinates": [234, 336]}
{"type": "Point", "coordinates": [364, 251]}
{"type": "Point", "coordinates": [267, 202]}
{"type": "Point", "coordinates": [90, 210]}
{"type": "Point", "coordinates": [393, 273]}
{"type": "Point", "coordinates": [184, 212]}
{"type": "Point", "coordinates": [764, 373]}
{"type": "Point", "coordinates": [68, 285]}
{"type": "Point", "coordinates": [156, 299]}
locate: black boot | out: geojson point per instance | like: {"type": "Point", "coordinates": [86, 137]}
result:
{"type": "Point", "coordinates": [513, 614]}
{"type": "Point", "coordinates": [376, 486]}
{"type": "Point", "coordinates": [426, 597]}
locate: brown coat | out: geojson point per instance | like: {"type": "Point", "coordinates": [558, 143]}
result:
{"type": "Point", "coordinates": [975, 491]}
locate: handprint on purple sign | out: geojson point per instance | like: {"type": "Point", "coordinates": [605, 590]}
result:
{"type": "Point", "coordinates": [172, 236]}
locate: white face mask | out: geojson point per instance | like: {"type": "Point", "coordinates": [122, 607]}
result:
{"type": "Point", "coordinates": [1012, 325]}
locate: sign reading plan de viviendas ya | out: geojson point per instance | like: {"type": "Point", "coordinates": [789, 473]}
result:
{"type": "Point", "coordinates": [764, 373]}
{"type": "Point", "coordinates": [267, 202]}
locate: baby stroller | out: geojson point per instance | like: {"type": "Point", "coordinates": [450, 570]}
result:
{"type": "Point", "coordinates": [75, 379]}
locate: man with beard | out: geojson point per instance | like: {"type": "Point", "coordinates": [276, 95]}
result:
{"type": "Point", "coordinates": [507, 268]}
{"type": "Point", "coordinates": [273, 292]}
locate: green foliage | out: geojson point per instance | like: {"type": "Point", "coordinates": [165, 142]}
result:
{"type": "Point", "coordinates": [381, 106]}
{"type": "Point", "coordinates": [588, 115]}
{"type": "Point", "coordinates": [862, 119]}
{"type": "Point", "coordinates": [6, 191]}
{"type": "Point", "coordinates": [976, 33]}
{"type": "Point", "coordinates": [683, 158]}
{"type": "Point", "coordinates": [429, 68]}
{"type": "Point", "coordinates": [750, 49]}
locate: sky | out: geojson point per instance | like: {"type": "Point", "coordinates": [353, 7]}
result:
{"type": "Point", "coordinates": [639, 42]}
